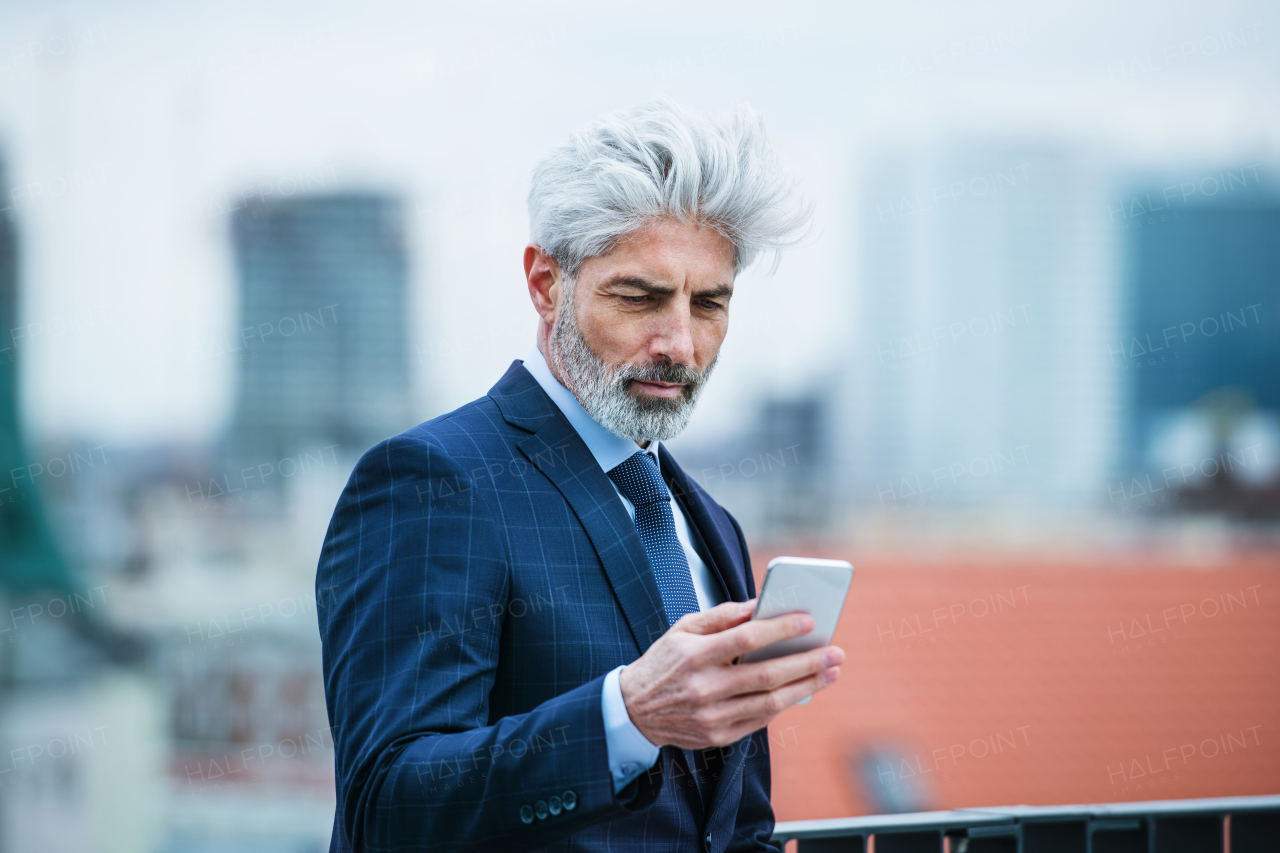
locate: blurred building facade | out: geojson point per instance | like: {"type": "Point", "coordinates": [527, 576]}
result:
{"type": "Point", "coordinates": [31, 562]}
{"type": "Point", "coordinates": [1201, 344]}
{"type": "Point", "coordinates": [322, 343]}
{"type": "Point", "coordinates": [988, 293]}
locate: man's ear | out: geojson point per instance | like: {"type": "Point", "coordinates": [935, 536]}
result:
{"type": "Point", "coordinates": [544, 277]}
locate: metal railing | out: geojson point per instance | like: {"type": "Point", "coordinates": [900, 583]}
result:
{"type": "Point", "coordinates": [1221, 825]}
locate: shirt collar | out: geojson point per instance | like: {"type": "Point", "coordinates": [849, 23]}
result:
{"type": "Point", "coordinates": [609, 449]}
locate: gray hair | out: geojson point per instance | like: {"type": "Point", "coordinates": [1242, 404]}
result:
{"type": "Point", "coordinates": [657, 160]}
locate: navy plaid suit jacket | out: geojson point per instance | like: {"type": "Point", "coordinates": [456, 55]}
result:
{"type": "Point", "coordinates": [479, 578]}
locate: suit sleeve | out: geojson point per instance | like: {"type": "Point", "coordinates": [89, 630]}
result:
{"type": "Point", "coordinates": [755, 821]}
{"type": "Point", "coordinates": [411, 589]}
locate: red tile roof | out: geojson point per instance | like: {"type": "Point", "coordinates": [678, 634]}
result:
{"type": "Point", "coordinates": [1053, 682]}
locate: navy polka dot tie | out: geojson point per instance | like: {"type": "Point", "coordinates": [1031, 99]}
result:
{"type": "Point", "coordinates": [639, 479]}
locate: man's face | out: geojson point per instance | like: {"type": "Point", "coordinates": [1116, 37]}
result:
{"type": "Point", "coordinates": [645, 327]}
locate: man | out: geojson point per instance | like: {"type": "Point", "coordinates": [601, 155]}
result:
{"type": "Point", "coordinates": [530, 613]}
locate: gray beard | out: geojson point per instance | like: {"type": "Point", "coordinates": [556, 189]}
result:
{"type": "Point", "coordinates": [602, 390]}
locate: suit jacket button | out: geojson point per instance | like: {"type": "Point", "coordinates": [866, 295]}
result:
{"type": "Point", "coordinates": [570, 800]}
{"type": "Point", "coordinates": [707, 841]}
{"type": "Point", "coordinates": [526, 814]}
{"type": "Point", "coordinates": [540, 809]}
{"type": "Point", "coordinates": [554, 805]}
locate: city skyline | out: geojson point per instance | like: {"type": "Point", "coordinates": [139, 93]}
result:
{"type": "Point", "coordinates": [273, 108]}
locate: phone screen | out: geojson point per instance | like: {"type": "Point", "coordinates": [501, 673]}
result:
{"type": "Point", "coordinates": [804, 585]}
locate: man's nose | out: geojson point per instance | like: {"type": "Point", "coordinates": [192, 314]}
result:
{"type": "Point", "coordinates": [673, 339]}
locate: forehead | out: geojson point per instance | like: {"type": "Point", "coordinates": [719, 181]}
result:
{"type": "Point", "coordinates": [672, 250]}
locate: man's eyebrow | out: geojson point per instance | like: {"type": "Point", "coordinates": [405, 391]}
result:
{"type": "Point", "coordinates": [713, 292]}
{"type": "Point", "coordinates": [639, 284]}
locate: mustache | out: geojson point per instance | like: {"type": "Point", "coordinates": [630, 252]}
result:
{"type": "Point", "coordinates": [679, 374]}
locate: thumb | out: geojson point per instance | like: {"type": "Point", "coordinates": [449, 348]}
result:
{"type": "Point", "coordinates": [722, 617]}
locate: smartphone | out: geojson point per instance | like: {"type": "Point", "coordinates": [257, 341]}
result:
{"type": "Point", "coordinates": [802, 585]}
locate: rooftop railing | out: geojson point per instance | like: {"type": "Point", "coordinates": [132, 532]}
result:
{"type": "Point", "coordinates": [1221, 825]}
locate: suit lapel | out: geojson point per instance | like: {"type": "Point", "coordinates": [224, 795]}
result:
{"type": "Point", "coordinates": [557, 450]}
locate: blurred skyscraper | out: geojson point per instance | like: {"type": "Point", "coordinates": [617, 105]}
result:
{"type": "Point", "coordinates": [30, 562]}
{"type": "Point", "coordinates": [989, 289]}
{"type": "Point", "coordinates": [322, 342]}
{"type": "Point", "coordinates": [1201, 342]}
{"type": "Point", "coordinates": [796, 494]}
{"type": "Point", "coordinates": [775, 476]}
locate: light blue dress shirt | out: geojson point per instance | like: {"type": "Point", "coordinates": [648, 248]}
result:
{"type": "Point", "coordinates": [630, 752]}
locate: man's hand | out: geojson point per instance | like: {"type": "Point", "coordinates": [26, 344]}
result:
{"type": "Point", "coordinates": [686, 691]}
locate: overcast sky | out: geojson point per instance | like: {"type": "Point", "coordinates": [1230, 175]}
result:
{"type": "Point", "coordinates": [129, 127]}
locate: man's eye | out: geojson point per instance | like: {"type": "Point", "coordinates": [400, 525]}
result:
{"type": "Point", "coordinates": [711, 305]}
{"type": "Point", "coordinates": [635, 300]}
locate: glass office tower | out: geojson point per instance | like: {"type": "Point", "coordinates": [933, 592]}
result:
{"type": "Point", "coordinates": [321, 347]}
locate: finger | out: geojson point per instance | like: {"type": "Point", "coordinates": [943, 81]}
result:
{"type": "Point", "coordinates": [734, 720]}
{"type": "Point", "coordinates": [774, 702]}
{"type": "Point", "coordinates": [757, 634]}
{"type": "Point", "coordinates": [742, 728]}
{"type": "Point", "coordinates": [719, 618]}
{"type": "Point", "coordinates": [763, 676]}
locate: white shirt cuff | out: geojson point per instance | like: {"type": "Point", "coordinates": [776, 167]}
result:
{"type": "Point", "coordinates": [630, 752]}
